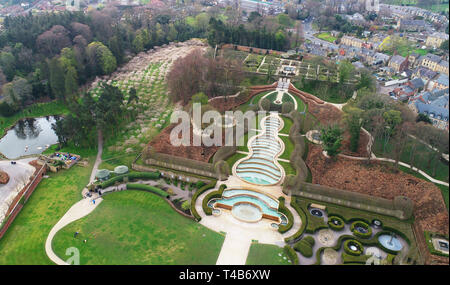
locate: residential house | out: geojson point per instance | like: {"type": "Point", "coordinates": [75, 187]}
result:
{"type": "Point", "coordinates": [436, 39]}
{"type": "Point", "coordinates": [426, 75]}
{"type": "Point", "coordinates": [434, 104]}
{"type": "Point", "coordinates": [410, 88]}
{"type": "Point", "coordinates": [351, 41]}
{"type": "Point", "coordinates": [411, 25]}
{"type": "Point", "coordinates": [434, 63]}
{"type": "Point", "coordinates": [440, 82]}
{"type": "Point", "coordinates": [398, 63]}
{"type": "Point", "coordinates": [413, 59]}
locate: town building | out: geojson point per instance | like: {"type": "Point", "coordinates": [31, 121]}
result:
{"type": "Point", "coordinates": [434, 62]}
{"type": "Point", "coordinates": [434, 104]}
{"type": "Point", "coordinates": [435, 40]}
{"type": "Point", "coordinates": [398, 63]}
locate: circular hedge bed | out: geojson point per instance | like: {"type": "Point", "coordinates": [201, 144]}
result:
{"type": "Point", "coordinates": [336, 223]}
{"type": "Point", "coordinates": [353, 247]}
{"type": "Point", "coordinates": [361, 229]}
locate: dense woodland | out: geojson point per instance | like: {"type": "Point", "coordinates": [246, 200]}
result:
{"type": "Point", "coordinates": [49, 56]}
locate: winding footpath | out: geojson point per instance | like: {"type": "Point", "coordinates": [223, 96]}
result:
{"type": "Point", "coordinates": [79, 210]}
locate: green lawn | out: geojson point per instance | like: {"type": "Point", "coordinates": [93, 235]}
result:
{"type": "Point", "coordinates": [326, 37]}
{"type": "Point", "coordinates": [288, 169]}
{"type": "Point", "coordinates": [24, 241]}
{"type": "Point", "coordinates": [133, 227]}
{"type": "Point", "coordinates": [234, 158]}
{"type": "Point", "coordinates": [288, 147]}
{"type": "Point", "coordinates": [111, 162]}
{"type": "Point", "coordinates": [423, 158]}
{"type": "Point", "coordinates": [327, 91]}
{"type": "Point", "coordinates": [439, 7]}
{"type": "Point", "coordinates": [34, 111]}
{"type": "Point", "coordinates": [266, 254]}
{"type": "Point", "coordinates": [287, 125]}
{"type": "Point", "coordinates": [253, 101]}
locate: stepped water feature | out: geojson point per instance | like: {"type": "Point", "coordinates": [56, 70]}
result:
{"type": "Point", "coordinates": [261, 166]}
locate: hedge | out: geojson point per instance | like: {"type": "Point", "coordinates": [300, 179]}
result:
{"type": "Point", "coordinates": [223, 153]}
{"type": "Point", "coordinates": [363, 225]}
{"type": "Point", "coordinates": [347, 249]}
{"type": "Point", "coordinates": [284, 210]}
{"type": "Point", "coordinates": [428, 237]}
{"type": "Point", "coordinates": [304, 247]}
{"type": "Point", "coordinates": [212, 195]}
{"type": "Point", "coordinates": [360, 259]}
{"type": "Point", "coordinates": [310, 240]}
{"type": "Point", "coordinates": [291, 254]}
{"type": "Point", "coordinates": [303, 217]}
{"type": "Point", "coordinates": [148, 188]}
{"type": "Point", "coordinates": [333, 226]}
{"type": "Point", "coordinates": [195, 196]}
{"type": "Point", "coordinates": [131, 176]}
{"type": "Point", "coordinates": [296, 158]}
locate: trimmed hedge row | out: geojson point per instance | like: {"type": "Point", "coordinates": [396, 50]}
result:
{"type": "Point", "coordinates": [223, 153]}
{"type": "Point", "coordinates": [303, 217]}
{"type": "Point", "coordinates": [305, 246]}
{"type": "Point", "coordinates": [284, 210]}
{"type": "Point", "coordinates": [296, 157]}
{"type": "Point", "coordinates": [212, 195]}
{"type": "Point", "coordinates": [148, 188]}
{"type": "Point", "coordinates": [352, 259]}
{"type": "Point", "coordinates": [195, 196]}
{"type": "Point", "coordinates": [290, 252]}
{"type": "Point", "coordinates": [131, 176]}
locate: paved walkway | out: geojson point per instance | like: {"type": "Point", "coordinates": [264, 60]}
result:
{"type": "Point", "coordinates": [234, 250]}
{"type": "Point", "coordinates": [80, 209]}
{"type": "Point", "coordinates": [98, 159]}
{"type": "Point", "coordinates": [239, 235]}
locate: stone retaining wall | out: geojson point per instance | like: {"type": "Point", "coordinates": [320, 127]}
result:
{"type": "Point", "coordinates": [348, 199]}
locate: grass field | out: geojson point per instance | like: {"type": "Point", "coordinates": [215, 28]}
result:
{"type": "Point", "coordinates": [266, 254]}
{"type": "Point", "coordinates": [233, 159]}
{"type": "Point", "coordinates": [133, 227]}
{"type": "Point", "coordinates": [287, 125]}
{"type": "Point", "coordinates": [442, 6]}
{"type": "Point", "coordinates": [288, 169]}
{"type": "Point", "coordinates": [288, 147]}
{"type": "Point", "coordinates": [423, 158]}
{"type": "Point", "coordinates": [24, 241]}
{"type": "Point", "coordinates": [326, 37]}
{"type": "Point", "coordinates": [34, 111]}
{"type": "Point", "coordinates": [327, 91]}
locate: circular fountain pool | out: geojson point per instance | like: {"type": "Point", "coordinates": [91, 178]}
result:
{"type": "Point", "coordinates": [390, 242]}
{"type": "Point", "coordinates": [316, 212]}
{"type": "Point", "coordinates": [246, 212]}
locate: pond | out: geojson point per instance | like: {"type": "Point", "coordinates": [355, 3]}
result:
{"type": "Point", "coordinates": [29, 136]}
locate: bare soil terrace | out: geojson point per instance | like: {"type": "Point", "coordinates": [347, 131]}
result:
{"type": "Point", "coordinates": [381, 180]}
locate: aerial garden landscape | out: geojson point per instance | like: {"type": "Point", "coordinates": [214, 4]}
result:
{"type": "Point", "coordinates": [301, 186]}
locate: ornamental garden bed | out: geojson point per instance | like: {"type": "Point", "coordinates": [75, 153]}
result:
{"type": "Point", "coordinates": [4, 177]}
{"type": "Point", "coordinates": [381, 180]}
